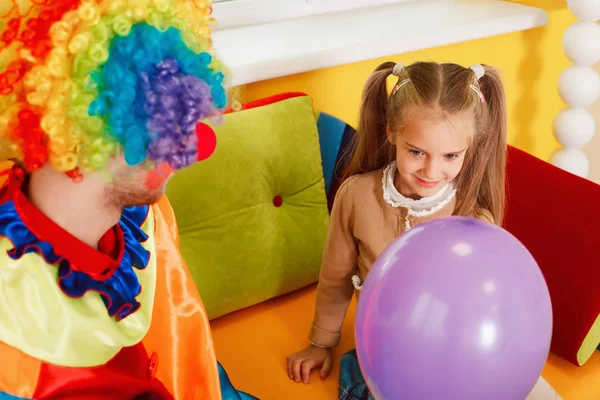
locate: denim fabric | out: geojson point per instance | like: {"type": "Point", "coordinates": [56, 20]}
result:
{"type": "Point", "coordinates": [352, 383]}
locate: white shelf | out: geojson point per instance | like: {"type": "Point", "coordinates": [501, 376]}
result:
{"type": "Point", "coordinates": [236, 13]}
{"type": "Point", "coordinates": [259, 52]}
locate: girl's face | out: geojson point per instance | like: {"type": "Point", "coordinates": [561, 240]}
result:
{"type": "Point", "coordinates": [430, 152]}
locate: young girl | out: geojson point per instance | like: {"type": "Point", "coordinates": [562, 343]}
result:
{"type": "Point", "coordinates": [434, 147]}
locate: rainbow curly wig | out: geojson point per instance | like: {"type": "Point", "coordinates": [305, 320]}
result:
{"type": "Point", "coordinates": [84, 80]}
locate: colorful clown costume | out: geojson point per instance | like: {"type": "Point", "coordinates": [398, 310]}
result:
{"type": "Point", "coordinates": [83, 83]}
{"type": "Point", "coordinates": [57, 340]}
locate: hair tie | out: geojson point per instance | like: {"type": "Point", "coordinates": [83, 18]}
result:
{"type": "Point", "coordinates": [478, 69]}
{"type": "Point", "coordinates": [397, 69]}
{"type": "Point", "coordinates": [399, 85]}
{"type": "Point", "coordinates": [479, 93]}
{"type": "Point", "coordinates": [479, 72]}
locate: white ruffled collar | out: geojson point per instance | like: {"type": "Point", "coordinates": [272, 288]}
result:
{"type": "Point", "coordinates": [417, 208]}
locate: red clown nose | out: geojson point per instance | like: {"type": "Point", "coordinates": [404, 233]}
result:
{"type": "Point", "coordinates": [207, 141]}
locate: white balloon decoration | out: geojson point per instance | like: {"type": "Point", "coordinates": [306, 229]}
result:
{"type": "Point", "coordinates": [581, 43]}
{"type": "Point", "coordinates": [585, 10]}
{"type": "Point", "coordinates": [573, 161]}
{"type": "Point", "coordinates": [574, 128]}
{"type": "Point", "coordinates": [579, 87]}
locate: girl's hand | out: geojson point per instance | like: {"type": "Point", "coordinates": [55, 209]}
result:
{"type": "Point", "coordinates": [300, 364]}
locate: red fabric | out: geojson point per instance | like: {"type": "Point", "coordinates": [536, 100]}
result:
{"type": "Point", "coordinates": [112, 243]}
{"type": "Point", "coordinates": [554, 214]}
{"type": "Point", "coordinates": [268, 100]}
{"type": "Point", "coordinates": [131, 373]}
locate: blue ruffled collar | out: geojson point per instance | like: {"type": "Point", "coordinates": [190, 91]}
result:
{"type": "Point", "coordinates": [80, 268]}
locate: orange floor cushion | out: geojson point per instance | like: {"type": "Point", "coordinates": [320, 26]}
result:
{"type": "Point", "coordinates": [574, 383]}
{"type": "Point", "coordinates": [252, 345]}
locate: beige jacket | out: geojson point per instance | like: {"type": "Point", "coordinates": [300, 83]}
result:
{"type": "Point", "coordinates": [362, 225]}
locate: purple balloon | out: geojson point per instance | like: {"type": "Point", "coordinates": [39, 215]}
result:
{"type": "Point", "coordinates": [454, 309]}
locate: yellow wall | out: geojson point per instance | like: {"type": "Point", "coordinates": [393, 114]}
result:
{"type": "Point", "coordinates": [531, 63]}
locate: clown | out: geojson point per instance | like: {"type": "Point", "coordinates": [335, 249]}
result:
{"type": "Point", "coordinates": [100, 102]}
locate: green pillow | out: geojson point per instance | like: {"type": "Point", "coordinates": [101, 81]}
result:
{"type": "Point", "coordinates": [253, 217]}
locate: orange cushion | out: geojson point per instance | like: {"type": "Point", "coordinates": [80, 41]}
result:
{"type": "Point", "coordinates": [572, 382]}
{"type": "Point", "coordinates": [253, 344]}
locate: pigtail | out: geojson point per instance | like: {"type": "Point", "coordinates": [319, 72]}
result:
{"type": "Point", "coordinates": [482, 180]}
{"type": "Point", "coordinates": [371, 149]}
{"type": "Point", "coordinates": [494, 146]}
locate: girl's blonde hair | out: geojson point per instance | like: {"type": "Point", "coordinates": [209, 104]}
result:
{"type": "Point", "coordinates": [441, 88]}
